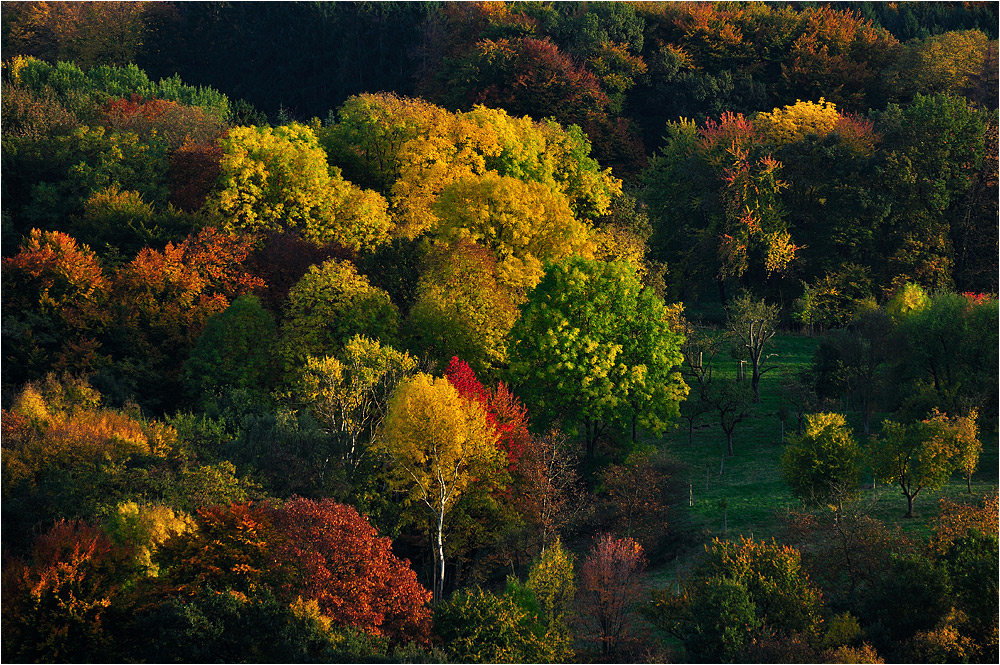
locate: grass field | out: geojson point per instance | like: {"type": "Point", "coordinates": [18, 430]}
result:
{"type": "Point", "coordinates": [754, 495]}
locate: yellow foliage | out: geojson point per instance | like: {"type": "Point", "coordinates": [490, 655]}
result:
{"type": "Point", "coordinates": [439, 442]}
{"type": "Point", "coordinates": [796, 121]}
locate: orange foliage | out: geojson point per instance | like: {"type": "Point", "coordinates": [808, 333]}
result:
{"type": "Point", "coordinates": [957, 519]}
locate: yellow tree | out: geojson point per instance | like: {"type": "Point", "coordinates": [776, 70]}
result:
{"type": "Point", "coordinates": [439, 444]}
{"type": "Point", "coordinates": [278, 179]}
{"type": "Point", "coordinates": [524, 224]}
{"type": "Point", "coordinates": [349, 393]}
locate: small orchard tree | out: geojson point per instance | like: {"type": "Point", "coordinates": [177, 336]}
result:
{"type": "Point", "coordinates": [752, 323]}
{"type": "Point", "coordinates": [610, 585]}
{"type": "Point", "coordinates": [824, 462]}
{"type": "Point", "coordinates": [915, 456]}
{"type": "Point", "coordinates": [438, 444]}
{"type": "Point", "coordinates": [732, 401]}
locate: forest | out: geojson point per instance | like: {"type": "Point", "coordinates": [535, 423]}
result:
{"type": "Point", "coordinates": [500, 332]}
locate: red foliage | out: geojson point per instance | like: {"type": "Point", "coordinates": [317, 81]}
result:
{"type": "Point", "coordinates": [194, 170]}
{"type": "Point", "coordinates": [504, 411]}
{"type": "Point", "coordinates": [610, 586]}
{"type": "Point", "coordinates": [172, 293]}
{"type": "Point", "coordinates": [55, 607]}
{"type": "Point", "coordinates": [349, 570]}
{"type": "Point", "coordinates": [174, 122]}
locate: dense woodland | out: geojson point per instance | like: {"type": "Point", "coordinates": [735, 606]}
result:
{"type": "Point", "coordinates": [500, 332]}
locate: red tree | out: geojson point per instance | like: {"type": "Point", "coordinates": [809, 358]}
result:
{"type": "Point", "coordinates": [504, 411]}
{"type": "Point", "coordinates": [610, 585]}
{"type": "Point", "coordinates": [53, 609]}
{"type": "Point", "coordinates": [349, 570]}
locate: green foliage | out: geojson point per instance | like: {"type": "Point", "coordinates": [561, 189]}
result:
{"type": "Point", "coordinates": [824, 462]}
{"type": "Point", "coordinates": [591, 344]}
{"type": "Point", "coordinates": [331, 304]}
{"type": "Point", "coordinates": [737, 590]}
{"type": "Point", "coordinates": [477, 626]}
{"type": "Point", "coordinates": [235, 351]}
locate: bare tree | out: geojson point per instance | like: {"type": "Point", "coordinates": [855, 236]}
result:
{"type": "Point", "coordinates": [752, 323]}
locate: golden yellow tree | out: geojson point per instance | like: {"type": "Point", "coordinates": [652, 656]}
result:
{"type": "Point", "coordinates": [439, 444]}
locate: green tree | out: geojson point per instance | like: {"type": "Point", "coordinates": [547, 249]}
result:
{"type": "Point", "coordinates": [551, 580]}
{"type": "Point", "coordinates": [586, 342]}
{"type": "Point", "coordinates": [235, 351]}
{"type": "Point", "coordinates": [438, 444]}
{"type": "Point", "coordinates": [327, 307]}
{"type": "Point", "coordinates": [736, 590]}
{"type": "Point", "coordinates": [824, 462]}
{"type": "Point", "coordinates": [478, 626]}
{"type": "Point", "coordinates": [915, 456]}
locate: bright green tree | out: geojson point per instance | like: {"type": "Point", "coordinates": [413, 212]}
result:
{"type": "Point", "coordinates": [585, 344]}
{"type": "Point", "coordinates": [824, 462]}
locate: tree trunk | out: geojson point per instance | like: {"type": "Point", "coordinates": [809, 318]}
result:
{"type": "Point", "coordinates": [439, 582]}
{"type": "Point", "coordinates": [690, 431]}
{"type": "Point", "coordinates": [634, 419]}
{"type": "Point", "coordinates": [729, 442]}
{"type": "Point", "coordinates": [909, 504]}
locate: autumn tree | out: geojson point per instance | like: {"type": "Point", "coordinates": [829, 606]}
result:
{"type": "Point", "coordinates": [342, 563]}
{"type": "Point", "coordinates": [349, 393]}
{"type": "Point", "coordinates": [552, 582]}
{"type": "Point", "coordinates": [438, 444]}
{"type": "Point", "coordinates": [463, 308]}
{"type": "Point", "coordinates": [523, 224]}
{"type": "Point", "coordinates": [55, 307]}
{"type": "Point", "coordinates": [824, 462]}
{"type": "Point", "coordinates": [634, 501]}
{"type": "Point", "coordinates": [917, 455]}
{"type": "Point", "coordinates": [55, 607]}
{"type": "Point", "coordinates": [328, 306]}
{"type": "Point", "coordinates": [587, 341]}
{"type": "Point", "coordinates": [547, 487]}
{"type": "Point", "coordinates": [278, 179]}
{"type": "Point", "coordinates": [610, 583]}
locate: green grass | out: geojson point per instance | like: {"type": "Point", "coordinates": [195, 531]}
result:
{"type": "Point", "coordinates": [755, 495]}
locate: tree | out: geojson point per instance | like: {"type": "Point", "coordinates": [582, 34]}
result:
{"type": "Point", "coordinates": [634, 499]}
{"type": "Point", "coordinates": [481, 627]}
{"type": "Point", "coordinates": [915, 456]}
{"type": "Point", "coordinates": [586, 342]}
{"type": "Point", "coordinates": [738, 590]}
{"type": "Point", "coordinates": [55, 307]}
{"type": "Point", "coordinates": [349, 393]}
{"type": "Point", "coordinates": [547, 486]}
{"type": "Point", "coordinates": [438, 444]}
{"type": "Point", "coordinates": [341, 562]}
{"type": "Point", "coordinates": [328, 306]}
{"type": "Point", "coordinates": [551, 580]}
{"type": "Point", "coordinates": [824, 462]}
{"type": "Point", "coordinates": [277, 179]}
{"type": "Point", "coordinates": [733, 401]}
{"type": "Point", "coordinates": [464, 309]}
{"type": "Point", "coordinates": [752, 323]}
{"type": "Point", "coordinates": [55, 608]}
{"type": "Point", "coordinates": [610, 584]}
{"type": "Point", "coordinates": [235, 351]}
